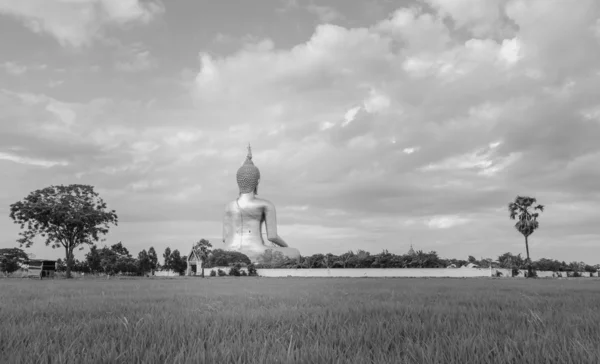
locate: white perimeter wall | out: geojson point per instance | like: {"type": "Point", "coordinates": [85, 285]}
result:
{"type": "Point", "coordinates": [397, 272]}
{"type": "Point", "coordinates": [382, 272]}
{"type": "Point", "coordinates": [166, 273]}
{"type": "Point", "coordinates": [377, 272]}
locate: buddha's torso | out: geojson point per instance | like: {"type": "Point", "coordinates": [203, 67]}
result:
{"type": "Point", "coordinates": [243, 224]}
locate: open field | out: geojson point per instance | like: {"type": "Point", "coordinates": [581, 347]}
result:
{"type": "Point", "coordinates": [295, 320]}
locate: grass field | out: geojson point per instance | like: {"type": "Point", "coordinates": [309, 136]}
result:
{"type": "Point", "coordinates": [294, 320]}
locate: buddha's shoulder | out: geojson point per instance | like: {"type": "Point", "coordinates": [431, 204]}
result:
{"type": "Point", "coordinates": [256, 202]}
{"type": "Point", "coordinates": [263, 202]}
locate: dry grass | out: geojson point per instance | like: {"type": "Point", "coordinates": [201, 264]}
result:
{"type": "Point", "coordinates": [295, 320]}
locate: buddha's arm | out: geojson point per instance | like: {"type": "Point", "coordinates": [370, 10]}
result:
{"type": "Point", "coordinates": [271, 225]}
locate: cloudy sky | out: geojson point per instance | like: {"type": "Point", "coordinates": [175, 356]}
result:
{"type": "Point", "coordinates": [375, 123]}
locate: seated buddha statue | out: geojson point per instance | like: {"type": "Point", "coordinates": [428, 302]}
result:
{"type": "Point", "coordinates": [245, 216]}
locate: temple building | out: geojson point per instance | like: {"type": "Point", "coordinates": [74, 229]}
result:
{"type": "Point", "coordinates": [194, 263]}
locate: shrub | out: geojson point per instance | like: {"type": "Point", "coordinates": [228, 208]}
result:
{"type": "Point", "coordinates": [515, 272]}
{"type": "Point", "coordinates": [235, 271]}
{"type": "Point", "coordinates": [243, 273]}
{"type": "Point", "coordinates": [252, 270]}
{"type": "Point", "coordinates": [213, 273]}
{"type": "Point", "coordinates": [498, 274]}
{"type": "Point", "coordinates": [221, 273]}
{"type": "Point", "coordinates": [533, 274]}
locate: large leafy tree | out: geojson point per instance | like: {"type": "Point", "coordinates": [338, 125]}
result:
{"type": "Point", "coordinates": [203, 249]}
{"type": "Point", "coordinates": [11, 259]}
{"type": "Point", "coordinates": [68, 216]}
{"type": "Point", "coordinates": [523, 210]}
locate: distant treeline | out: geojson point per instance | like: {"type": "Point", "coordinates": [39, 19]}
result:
{"type": "Point", "coordinates": [116, 259]}
{"type": "Point", "coordinates": [420, 259]}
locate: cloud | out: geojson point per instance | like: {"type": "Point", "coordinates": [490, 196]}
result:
{"type": "Point", "coordinates": [482, 159]}
{"type": "Point", "coordinates": [31, 161]}
{"type": "Point", "coordinates": [13, 68]}
{"type": "Point", "coordinates": [16, 69]}
{"type": "Point", "coordinates": [79, 23]}
{"type": "Point", "coordinates": [326, 14]}
{"type": "Point", "coordinates": [425, 123]}
{"type": "Point", "coordinates": [445, 222]}
{"type": "Point", "coordinates": [135, 58]}
{"type": "Point", "coordinates": [410, 150]}
{"type": "Point", "coordinates": [481, 19]}
{"type": "Point", "coordinates": [415, 80]}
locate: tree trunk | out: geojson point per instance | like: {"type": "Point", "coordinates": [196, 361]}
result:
{"type": "Point", "coordinates": [529, 270]}
{"type": "Point", "coordinates": [69, 253]}
{"type": "Point", "coordinates": [202, 270]}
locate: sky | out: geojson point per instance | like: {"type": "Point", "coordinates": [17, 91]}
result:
{"type": "Point", "coordinates": [375, 124]}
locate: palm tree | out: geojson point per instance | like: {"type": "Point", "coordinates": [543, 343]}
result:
{"type": "Point", "coordinates": [203, 250]}
{"type": "Point", "coordinates": [527, 223]}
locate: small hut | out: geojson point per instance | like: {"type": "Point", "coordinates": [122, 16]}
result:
{"type": "Point", "coordinates": [41, 268]}
{"type": "Point", "coordinates": [194, 263]}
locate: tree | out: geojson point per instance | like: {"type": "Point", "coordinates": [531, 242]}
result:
{"type": "Point", "coordinates": [167, 259]}
{"type": "Point", "coordinates": [153, 259]}
{"type": "Point", "coordinates": [108, 260]}
{"type": "Point", "coordinates": [510, 261]}
{"type": "Point", "coordinates": [11, 259]}
{"type": "Point", "coordinates": [203, 249]}
{"type": "Point", "coordinates": [346, 258]}
{"type": "Point", "coordinates": [544, 264]}
{"type": "Point", "coordinates": [117, 259]}
{"type": "Point", "coordinates": [143, 262]}
{"type": "Point", "coordinates": [223, 258]}
{"type": "Point", "coordinates": [178, 262]}
{"type": "Point", "coordinates": [122, 260]}
{"type": "Point", "coordinates": [60, 265]}
{"type": "Point", "coordinates": [527, 224]}
{"type": "Point", "coordinates": [94, 259]}
{"type": "Point", "coordinates": [71, 216]}
{"type": "Point", "coordinates": [120, 250]}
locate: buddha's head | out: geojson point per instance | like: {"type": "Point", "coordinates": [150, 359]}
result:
{"type": "Point", "coordinates": [248, 175]}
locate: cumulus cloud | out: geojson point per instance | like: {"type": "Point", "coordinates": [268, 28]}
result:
{"type": "Point", "coordinates": [416, 80]}
{"type": "Point", "coordinates": [78, 23]}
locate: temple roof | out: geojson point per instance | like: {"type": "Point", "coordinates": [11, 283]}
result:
{"type": "Point", "coordinates": [193, 256]}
